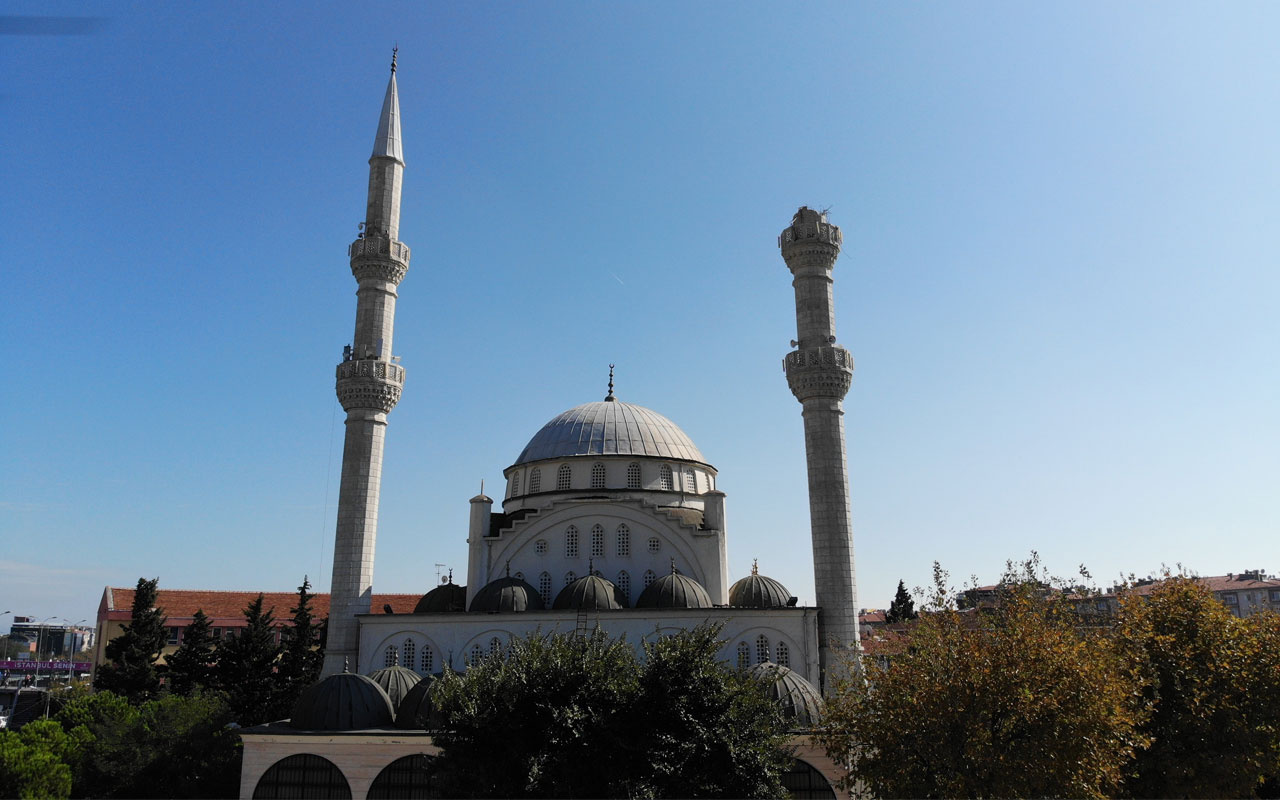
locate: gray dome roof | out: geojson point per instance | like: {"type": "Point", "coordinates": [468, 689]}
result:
{"type": "Point", "coordinates": [415, 709]}
{"type": "Point", "coordinates": [507, 594]}
{"type": "Point", "coordinates": [757, 591]}
{"type": "Point", "coordinates": [342, 702]}
{"type": "Point", "coordinates": [674, 591]}
{"type": "Point", "coordinates": [396, 681]}
{"type": "Point", "coordinates": [445, 597]}
{"type": "Point", "coordinates": [607, 428]}
{"type": "Point", "coordinates": [800, 701]}
{"type": "Point", "coordinates": [590, 592]}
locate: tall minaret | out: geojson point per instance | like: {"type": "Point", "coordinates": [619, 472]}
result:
{"type": "Point", "coordinates": [819, 372]}
{"type": "Point", "coordinates": [369, 384]}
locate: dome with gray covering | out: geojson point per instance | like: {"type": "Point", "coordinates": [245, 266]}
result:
{"type": "Point", "coordinates": [396, 681]}
{"type": "Point", "coordinates": [342, 702]}
{"type": "Point", "coordinates": [445, 597]}
{"type": "Point", "coordinates": [800, 701]}
{"type": "Point", "coordinates": [590, 592]}
{"type": "Point", "coordinates": [507, 594]}
{"type": "Point", "coordinates": [607, 428]}
{"type": "Point", "coordinates": [674, 591]}
{"type": "Point", "coordinates": [415, 712]}
{"type": "Point", "coordinates": [758, 591]}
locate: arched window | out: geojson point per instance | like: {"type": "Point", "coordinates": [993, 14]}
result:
{"type": "Point", "coordinates": [624, 541]}
{"type": "Point", "coordinates": [649, 577]}
{"type": "Point", "coordinates": [597, 476]}
{"type": "Point", "coordinates": [597, 541]}
{"type": "Point", "coordinates": [569, 577]}
{"type": "Point", "coordinates": [784, 655]}
{"type": "Point", "coordinates": [571, 542]}
{"type": "Point", "coordinates": [544, 587]}
{"type": "Point", "coordinates": [392, 656]}
{"type": "Point", "coordinates": [407, 777]}
{"type": "Point", "coordinates": [535, 481]}
{"type": "Point", "coordinates": [633, 476]}
{"type": "Point", "coordinates": [428, 660]}
{"type": "Point", "coordinates": [665, 481]}
{"type": "Point", "coordinates": [744, 655]}
{"type": "Point", "coordinates": [409, 653]}
{"type": "Point", "coordinates": [540, 547]}
{"type": "Point", "coordinates": [515, 484]}
{"type": "Point", "coordinates": [563, 476]}
{"type": "Point", "coordinates": [762, 648]}
{"type": "Point", "coordinates": [303, 775]}
{"type": "Point", "coordinates": [690, 482]}
{"type": "Point", "coordinates": [803, 782]}
{"type": "Point", "coordinates": [624, 584]}
{"type": "Point", "coordinates": [654, 544]}
{"type": "Point", "coordinates": [495, 646]}
{"type": "Point", "coordinates": [476, 654]}
{"type": "Point", "coordinates": [519, 576]}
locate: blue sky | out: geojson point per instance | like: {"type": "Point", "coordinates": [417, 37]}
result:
{"type": "Point", "coordinates": [1059, 276]}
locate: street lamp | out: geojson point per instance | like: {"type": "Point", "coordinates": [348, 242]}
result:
{"type": "Point", "coordinates": [71, 658]}
{"type": "Point", "coordinates": [39, 636]}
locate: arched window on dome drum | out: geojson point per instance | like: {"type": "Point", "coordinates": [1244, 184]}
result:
{"type": "Point", "coordinates": [762, 648]}
{"type": "Point", "coordinates": [665, 481]}
{"type": "Point", "coordinates": [690, 482]}
{"type": "Point", "coordinates": [744, 655]}
{"type": "Point", "coordinates": [597, 476]}
{"type": "Point", "coordinates": [540, 547]}
{"type": "Point", "coordinates": [544, 587]}
{"type": "Point", "coordinates": [495, 646]}
{"type": "Point", "coordinates": [428, 660]}
{"type": "Point", "coordinates": [563, 476]}
{"type": "Point", "coordinates": [391, 655]}
{"type": "Point", "coordinates": [624, 584]}
{"type": "Point", "coordinates": [303, 775]}
{"type": "Point", "coordinates": [649, 578]}
{"type": "Point", "coordinates": [476, 654]}
{"type": "Point", "coordinates": [654, 544]}
{"type": "Point", "coordinates": [409, 648]}
{"type": "Point", "coordinates": [515, 484]}
{"type": "Point", "coordinates": [571, 542]}
{"type": "Point", "coordinates": [633, 476]}
{"type": "Point", "coordinates": [535, 481]}
{"type": "Point", "coordinates": [569, 577]}
{"type": "Point", "coordinates": [784, 655]}
{"type": "Point", "coordinates": [405, 777]}
{"type": "Point", "coordinates": [597, 541]}
{"type": "Point", "coordinates": [624, 541]}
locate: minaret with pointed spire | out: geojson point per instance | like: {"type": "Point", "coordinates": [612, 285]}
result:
{"type": "Point", "coordinates": [369, 382]}
{"type": "Point", "coordinates": [819, 372]}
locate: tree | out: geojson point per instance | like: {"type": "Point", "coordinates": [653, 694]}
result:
{"type": "Point", "coordinates": [578, 716]}
{"type": "Point", "coordinates": [191, 668]}
{"type": "Point", "coordinates": [131, 667]}
{"type": "Point", "coordinates": [35, 762]}
{"type": "Point", "coordinates": [903, 608]}
{"type": "Point", "coordinates": [1009, 702]}
{"type": "Point", "coordinates": [1213, 688]}
{"type": "Point", "coordinates": [245, 668]}
{"type": "Point", "coordinates": [301, 657]}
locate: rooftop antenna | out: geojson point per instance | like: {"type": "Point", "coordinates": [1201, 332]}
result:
{"type": "Point", "coordinates": [394, 50]}
{"type": "Point", "coordinates": [438, 567]}
{"type": "Point", "coordinates": [610, 398]}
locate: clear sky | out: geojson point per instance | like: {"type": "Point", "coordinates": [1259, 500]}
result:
{"type": "Point", "coordinates": [1059, 277]}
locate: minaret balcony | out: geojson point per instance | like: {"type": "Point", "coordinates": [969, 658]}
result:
{"type": "Point", "coordinates": [369, 383]}
{"type": "Point", "coordinates": [819, 372]}
{"type": "Point", "coordinates": [380, 258]}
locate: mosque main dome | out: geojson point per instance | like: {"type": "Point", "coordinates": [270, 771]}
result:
{"type": "Point", "coordinates": [610, 427]}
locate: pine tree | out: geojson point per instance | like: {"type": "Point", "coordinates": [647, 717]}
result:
{"type": "Point", "coordinates": [191, 667]}
{"type": "Point", "coordinates": [301, 657]}
{"type": "Point", "coordinates": [246, 667]}
{"type": "Point", "coordinates": [903, 608]}
{"type": "Point", "coordinates": [131, 671]}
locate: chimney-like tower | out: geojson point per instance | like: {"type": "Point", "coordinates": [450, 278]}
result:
{"type": "Point", "coordinates": [369, 381]}
{"type": "Point", "coordinates": [819, 373]}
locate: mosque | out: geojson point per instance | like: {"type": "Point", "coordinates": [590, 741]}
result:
{"type": "Point", "coordinates": [610, 518]}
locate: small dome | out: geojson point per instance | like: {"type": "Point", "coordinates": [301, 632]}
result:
{"type": "Point", "coordinates": [415, 711]}
{"type": "Point", "coordinates": [674, 591]}
{"type": "Point", "coordinates": [757, 591]}
{"type": "Point", "coordinates": [608, 428]}
{"type": "Point", "coordinates": [396, 681]}
{"type": "Point", "coordinates": [590, 592]}
{"type": "Point", "coordinates": [507, 594]}
{"type": "Point", "coordinates": [798, 698]}
{"type": "Point", "coordinates": [445, 597]}
{"type": "Point", "coordinates": [342, 702]}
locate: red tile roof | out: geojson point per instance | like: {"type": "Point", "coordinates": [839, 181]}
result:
{"type": "Point", "coordinates": [221, 607]}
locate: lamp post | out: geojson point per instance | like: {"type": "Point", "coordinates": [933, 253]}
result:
{"type": "Point", "coordinates": [39, 636]}
{"type": "Point", "coordinates": [71, 658]}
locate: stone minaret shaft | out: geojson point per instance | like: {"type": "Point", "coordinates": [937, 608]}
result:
{"type": "Point", "coordinates": [819, 372]}
{"type": "Point", "coordinates": [369, 381]}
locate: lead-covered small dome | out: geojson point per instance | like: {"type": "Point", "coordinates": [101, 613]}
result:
{"type": "Point", "coordinates": [445, 597]}
{"type": "Point", "coordinates": [610, 427]}
{"type": "Point", "coordinates": [342, 702]}
{"type": "Point", "coordinates": [758, 591]}
{"type": "Point", "coordinates": [590, 592]}
{"type": "Point", "coordinates": [674, 591]}
{"type": "Point", "coordinates": [396, 681]}
{"type": "Point", "coordinates": [415, 711]}
{"type": "Point", "coordinates": [800, 701]}
{"type": "Point", "coordinates": [507, 594]}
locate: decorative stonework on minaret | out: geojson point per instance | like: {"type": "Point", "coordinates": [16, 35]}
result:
{"type": "Point", "coordinates": [369, 381]}
{"type": "Point", "coordinates": [819, 373]}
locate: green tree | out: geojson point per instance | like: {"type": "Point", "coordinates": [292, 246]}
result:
{"type": "Point", "coordinates": [903, 608]}
{"type": "Point", "coordinates": [245, 669]}
{"type": "Point", "coordinates": [1010, 702]}
{"type": "Point", "coordinates": [190, 668]}
{"type": "Point", "coordinates": [301, 657]}
{"type": "Point", "coordinates": [131, 656]}
{"type": "Point", "coordinates": [36, 761]}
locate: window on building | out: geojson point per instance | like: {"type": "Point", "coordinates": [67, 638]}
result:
{"type": "Point", "coordinates": [544, 588]}
{"type": "Point", "coordinates": [1230, 598]}
{"type": "Point", "coordinates": [303, 775]}
{"type": "Point", "coordinates": [495, 646]}
{"type": "Point", "coordinates": [409, 776]}
{"type": "Point", "coordinates": [570, 577]}
{"type": "Point", "coordinates": [649, 578]}
{"type": "Point", "coordinates": [597, 541]}
{"type": "Point", "coordinates": [690, 482]}
{"type": "Point", "coordinates": [571, 542]}
{"type": "Point", "coordinates": [174, 634]}
{"type": "Point", "coordinates": [391, 656]}
{"type": "Point", "coordinates": [540, 547]}
{"type": "Point", "coordinates": [515, 484]}
{"type": "Point", "coordinates": [563, 476]}
{"type": "Point", "coordinates": [409, 652]}
{"type": "Point", "coordinates": [624, 584]}
{"type": "Point", "coordinates": [633, 476]}
{"type": "Point", "coordinates": [744, 655]}
{"type": "Point", "coordinates": [665, 481]}
{"type": "Point", "coordinates": [476, 654]}
{"type": "Point", "coordinates": [535, 481]}
{"type": "Point", "coordinates": [1275, 595]}
{"type": "Point", "coordinates": [784, 655]}
{"type": "Point", "coordinates": [428, 660]}
{"type": "Point", "coordinates": [803, 782]}
{"type": "Point", "coordinates": [597, 476]}
{"type": "Point", "coordinates": [624, 541]}
{"type": "Point", "coordinates": [519, 576]}
{"type": "Point", "coordinates": [654, 544]}
{"type": "Point", "coordinates": [217, 634]}
{"type": "Point", "coordinates": [762, 648]}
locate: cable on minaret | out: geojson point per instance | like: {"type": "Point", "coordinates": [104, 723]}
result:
{"type": "Point", "coordinates": [394, 50]}
{"type": "Point", "coordinates": [610, 398]}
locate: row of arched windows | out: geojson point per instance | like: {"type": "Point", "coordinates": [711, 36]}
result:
{"type": "Point", "coordinates": [425, 663]}
{"type": "Point", "coordinates": [564, 479]}
{"type": "Point", "coordinates": [782, 653]}
{"type": "Point", "coordinates": [622, 580]}
{"type": "Point", "coordinates": [621, 542]}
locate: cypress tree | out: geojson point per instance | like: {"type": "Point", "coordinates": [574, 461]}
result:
{"type": "Point", "coordinates": [131, 671]}
{"type": "Point", "coordinates": [903, 608]}
{"type": "Point", "coordinates": [191, 667]}
{"type": "Point", "coordinates": [246, 665]}
{"type": "Point", "coordinates": [301, 657]}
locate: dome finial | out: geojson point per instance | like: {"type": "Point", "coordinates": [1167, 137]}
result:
{"type": "Point", "coordinates": [508, 568]}
{"type": "Point", "coordinates": [673, 565]}
{"type": "Point", "coordinates": [755, 566]}
{"type": "Point", "coordinates": [591, 566]}
{"type": "Point", "coordinates": [394, 50]}
{"type": "Point", "coordinates": [395, 657]}
{"type": "Point", "coordinates": [346, 663]}
{"type": "Point", "coordinates": [610, 398]}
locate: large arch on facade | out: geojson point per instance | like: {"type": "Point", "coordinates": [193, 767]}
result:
{"type": "Point", "coordinates": [303, 775]}
{"type": "Point", "coordinates": [406, 778]}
